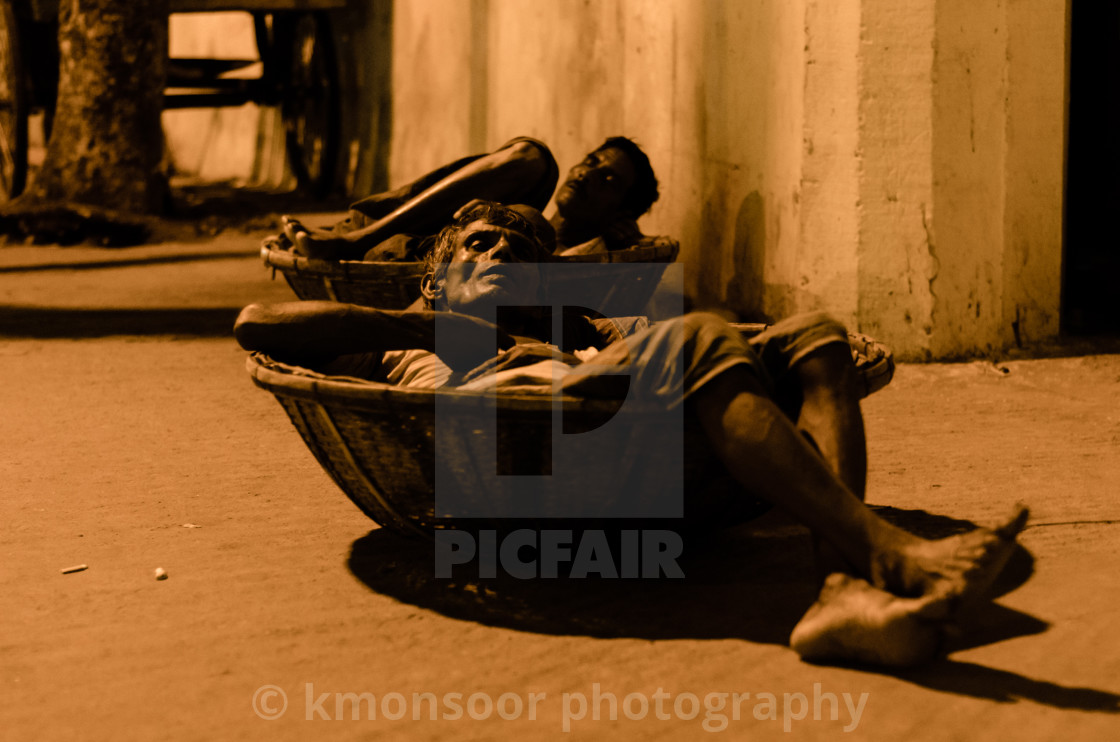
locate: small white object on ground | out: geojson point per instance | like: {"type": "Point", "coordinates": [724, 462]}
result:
{"type": "Point", "coordinates": [75, 568]}
{"type": "Point", "coordinates": [161, 573]}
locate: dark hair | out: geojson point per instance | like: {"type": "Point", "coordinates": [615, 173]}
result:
{"type": "Point", "coordinates": [643, 193]}
{"type": "Point", "coordinates": [492, 213]}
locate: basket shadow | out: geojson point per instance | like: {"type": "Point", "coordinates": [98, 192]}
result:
{"type": "Point", "coordinates": [752, 582]}
{"type": "Point", "coordinates": [717, 598]}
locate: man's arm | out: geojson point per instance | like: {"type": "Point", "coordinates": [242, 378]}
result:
{"type": "Point", "coordinates": [305, 332]}
{"type": "Point", "coordinates": [505, 176]}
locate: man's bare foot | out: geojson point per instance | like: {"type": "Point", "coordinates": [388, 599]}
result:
{"type": "Point", "coordinates": [318, 243]}
{"type": "Point", "coordinates": [961, 568]}
{"type": "Point", "coordinates": [291, 226]}
{"type": "Point", "coordinates": [853, 621]}
{"type": "Point", "coordinates": [278, 242]}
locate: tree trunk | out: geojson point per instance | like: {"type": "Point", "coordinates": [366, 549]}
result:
{"type": "Point", "coordinates": [107, 141]}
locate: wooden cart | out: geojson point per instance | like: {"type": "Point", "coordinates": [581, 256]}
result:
{"type": "Point", "coordinates": [299, 74]}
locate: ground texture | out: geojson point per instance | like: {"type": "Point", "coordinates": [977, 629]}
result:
{"type": "Point", "coordinates": [133, 439]}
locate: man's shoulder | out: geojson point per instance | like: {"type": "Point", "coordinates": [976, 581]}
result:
{"type": "Point", "coordinates": [527, 140]}
{"type": "Point", "coordinates": [621, 234]}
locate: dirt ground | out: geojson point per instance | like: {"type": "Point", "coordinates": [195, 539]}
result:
{"type": "Point", "coordinates": [133, 440]}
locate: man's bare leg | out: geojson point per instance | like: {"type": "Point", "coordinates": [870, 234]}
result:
{"type": "Point", "coordinates": [768, 456]}
{"type": "Point", "coordinates": [853, 620]}
{"type": "Point", "coordinates": [830, 415]}
{"type": "Point", "coordinates": [499, 176]}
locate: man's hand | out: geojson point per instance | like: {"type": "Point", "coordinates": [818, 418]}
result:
{"type": "Point", "coordinates": [465, 208]}
{"type": "Point", "coordinates": [521, 355]}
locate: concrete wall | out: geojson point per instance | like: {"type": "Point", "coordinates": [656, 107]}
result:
{"type": "Point", "coordinates": [962, 140]}
{"type": "Point", "coordinates": [897, 265]}
{"type": "Point", "coordinates": [712, 90]}
{"type": "Point", "coordinates": [1036, 124]}
{"type": "Point", "coordinates": [899, 165]}
{"type": "Point", "coordinates": [998, 153]}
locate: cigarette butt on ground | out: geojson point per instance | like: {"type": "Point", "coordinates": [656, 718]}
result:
{"type": "Point", "coordinates": [75, 568]}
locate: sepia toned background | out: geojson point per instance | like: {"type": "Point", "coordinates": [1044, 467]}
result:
{"type": "Point", "coordinates": [926, 171]}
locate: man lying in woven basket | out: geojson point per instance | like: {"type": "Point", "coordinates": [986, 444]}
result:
{"type": "Point", "coordinates": [596, 206]}
{"type": "Point", "coordinates": [781, 411]}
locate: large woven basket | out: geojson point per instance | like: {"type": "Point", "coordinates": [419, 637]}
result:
{"type": "Point", "coordinates": [379, 444]}
{"type": "Point", "coordinates": [385, 285]}
{"type": "Point", "coordinates": [622, 291]}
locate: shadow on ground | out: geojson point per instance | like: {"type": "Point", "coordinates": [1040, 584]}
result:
{"type": "Point", "coordinates": [734, 587]}
{"type": "Point", "coordinates": [130, 261]}
{"type": "Point", "coordinates": [752, 581]}
{"type": "Point", "coordinates": [748, 582]}
{"type": "Point", "coordinates": [225, 199]}
{"type": "Point", "coordinates": [193, 211]}
{"type": "Point", "coordinates": [978, 681]}
{"type": "Point", "coordinates": [80, 322]}
{"type": "Point", "coordinates": [201, 210]}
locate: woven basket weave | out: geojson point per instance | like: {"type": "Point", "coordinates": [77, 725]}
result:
{"type": "Point", "coordinates": [382, 285]}
{"type": "Point", "coordinates": [624, 291]}
{"type": "Point", "coordinates": [378, 443]}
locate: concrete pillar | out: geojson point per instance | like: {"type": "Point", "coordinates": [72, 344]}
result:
{"type": "Point", "coordinates": [432, 85]}
{"type": "Point", "coordinates": [970, 96]}
{"type": "Point", "coordinates": [998, 152]}
{"type": "Point", "coordinates": [824, 268]}
{"type": "Point", "coordinates": [962, 145]}
{"type": "Point", "coordinates": [896, 261]}
{"type": "Point", "coordinates": [1037, 64]}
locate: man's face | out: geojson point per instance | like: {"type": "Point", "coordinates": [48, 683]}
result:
{"type": "Point", "coordinates": [596, 187]}
{"type": "Point", "coordinates": [491, 266]}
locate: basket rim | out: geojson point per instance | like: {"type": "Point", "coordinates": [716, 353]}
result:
{"type": "Point", "coordinates": [296, 382]}
{"type": "Point", "coordinates": [284, 260]}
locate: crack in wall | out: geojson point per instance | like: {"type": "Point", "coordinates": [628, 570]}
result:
{"type": "Point", "coordinates": [935, 267]}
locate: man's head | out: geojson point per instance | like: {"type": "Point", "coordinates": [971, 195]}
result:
{"type": "Point", "coordinates": [487, 257]}
{"type": "Point", "coordinates": [614, 180]}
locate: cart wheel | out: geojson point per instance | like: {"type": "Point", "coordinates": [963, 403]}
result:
{"type": "Point", "coordinates": [310, 105]}
{"type": "Point", "coordinates": [13, 108]}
